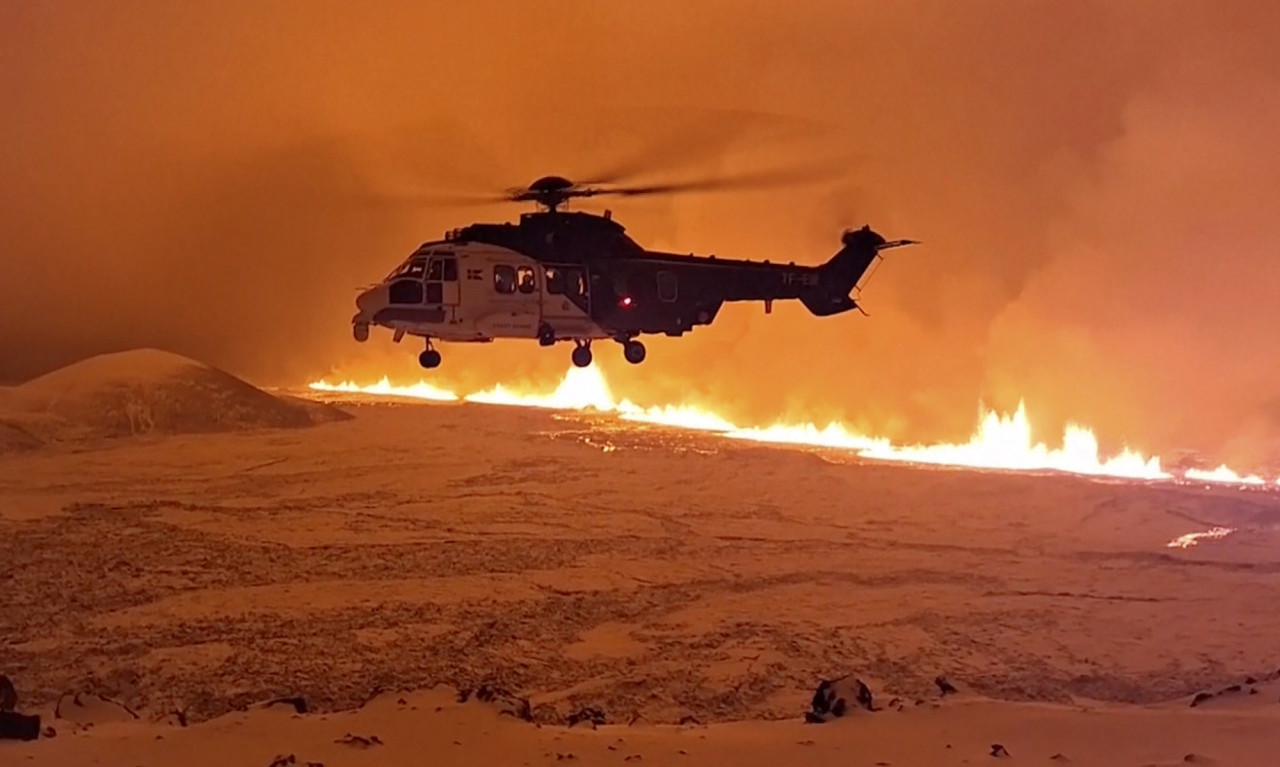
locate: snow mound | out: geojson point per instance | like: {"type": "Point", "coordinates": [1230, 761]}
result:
{"type": "Point", "coordinates": [146, 391]}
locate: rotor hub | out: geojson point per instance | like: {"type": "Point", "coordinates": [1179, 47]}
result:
{"type": "Point", "coordinates": [550, 192]}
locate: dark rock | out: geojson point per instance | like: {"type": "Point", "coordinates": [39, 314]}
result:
{"type": "Point", "coordinates": [999, 750]}
{"type": "Point", "coordinates": [1200, 697]}
{"type": "Point", "coordinates": [464, 694]}
{"type": "Point", "coordinates": [8, 695]}
{"type": "Point", "coordinates": [1232, 688]}
{"type": "Point", "coordinates": [592, 716]}
{"type": "Point", "coordinates": [359, 741]}
{"type": "Point", "coordinates": [1250, 680]}
{"type": "Point", "coordinates": [49, 732]}
{"type": "Point", "coordinates": [14, 726]}
{"type": "Point", "coordinates": [299, 704]}
{"type": "Point", "coordinates": [944, 686]}
{"type": "Point", "coordinates": [833, 698]}
{"type": "Point", "coordinates": [864, 697]}
{"type": "Point", "coordinates": [508, 704]}
{"type": "Point", "coordinates": [820, 702]}
{"type": "Point", "coordinates": [689, 719]}
{"type": "Point", "coordinates": [283, 760]}
{"type": "Point", "coordinates": [1253, 690]}
{"type": "Point", "coordinates": [1059, 757]}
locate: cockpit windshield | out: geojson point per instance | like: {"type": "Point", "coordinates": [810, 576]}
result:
{"type": "Point", "coordinates": [412, 269]}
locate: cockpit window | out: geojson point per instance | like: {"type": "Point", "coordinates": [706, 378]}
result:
{"type": "Point", "coordinates": [412, 269]}
{"type": "Point", "coordinates": [405, 291]}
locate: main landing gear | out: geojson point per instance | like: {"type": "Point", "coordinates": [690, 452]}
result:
{"type": "Point", "coordinates": [430, 358]}
{"type": "Point", "coordinates": [633, 351]}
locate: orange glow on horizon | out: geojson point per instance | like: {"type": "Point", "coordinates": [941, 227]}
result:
{"type": "Point", "coordinates": [1000, 442]}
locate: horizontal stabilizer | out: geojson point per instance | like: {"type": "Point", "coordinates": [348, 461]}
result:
{"type": "Point", "coordinates": [826, 304]}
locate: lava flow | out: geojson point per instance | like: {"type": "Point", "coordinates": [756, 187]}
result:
{"type": "Point", "coordinates": [1001, 442]}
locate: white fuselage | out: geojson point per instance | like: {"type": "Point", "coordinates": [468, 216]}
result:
{"type": "Point", "coordinates": [464, 291]}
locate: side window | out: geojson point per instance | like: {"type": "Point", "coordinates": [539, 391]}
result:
{"type": "Point", "coordinates": [504, 278]}
{"type": "Point", "coordinates": [435, 270]}
{"type": "Point", "coordinates": [414, 272]}
{"type": "Point", "coordinates": [525, 279]}
{"type": "Point", "coordinates": [555, 280]}
{"type": "Point", "coordinates": [667, 286]}
{"type": "Point", "coordinates": [576, 283]}
{"type": "Point", "coordinates": [450, 269]}
{"type": "Point", "coordinates": [435, 292]}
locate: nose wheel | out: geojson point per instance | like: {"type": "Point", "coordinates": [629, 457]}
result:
{"type": "Point", "coordinates": [582, 354]}
{"type": "Point", "coordinates": [430, 358]}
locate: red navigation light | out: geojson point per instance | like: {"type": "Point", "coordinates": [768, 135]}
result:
{"type": "Point", "coordinates": [625, 302]}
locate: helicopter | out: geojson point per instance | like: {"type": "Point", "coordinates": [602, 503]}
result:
{"type": "Point", "coordinates": [572, 276]}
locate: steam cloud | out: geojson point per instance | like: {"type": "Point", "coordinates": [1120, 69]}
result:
{"type": "Point", "coordinates": [1095, 183]}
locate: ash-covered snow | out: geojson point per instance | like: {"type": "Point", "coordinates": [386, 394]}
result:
{"type": "Point", "coordinates": [143, 391]}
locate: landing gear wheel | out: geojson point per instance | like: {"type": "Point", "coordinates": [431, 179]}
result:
{"type": "Point", "coordinates": [546, 335]}
{"type": "Point", "coordinates": [582, 356]}
{"type": "Point", "coordinates": [633, 351]}
{"type": "Point", "coordinates": [361, 331]}
{"type": "Point", "coordinates": [429, 359]}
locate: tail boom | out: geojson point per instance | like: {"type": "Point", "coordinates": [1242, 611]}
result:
{"type": "Point", "coordinates": [845, 272]}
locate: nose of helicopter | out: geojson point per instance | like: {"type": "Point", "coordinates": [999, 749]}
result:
{"type": "Point", "coordinates": [367, 301]}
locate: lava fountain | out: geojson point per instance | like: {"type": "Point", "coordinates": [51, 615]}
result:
{"type": "Point", "coordinates": [1000, 441]}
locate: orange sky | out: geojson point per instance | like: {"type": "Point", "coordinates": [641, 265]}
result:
{"type": "Point", "coordinates": [1096, 183]}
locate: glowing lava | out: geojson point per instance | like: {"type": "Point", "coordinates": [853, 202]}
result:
{"type": "Point", "coordinates": [586, 389]}
{"type": "Point", "coordinates": [384, 388]}
{"type": "Point", "coordinates": [1224, 475]}
{"type": "Point", "coordinates": [1004, 442]}
{"type": "Point", "coordinates": [1000, 441]}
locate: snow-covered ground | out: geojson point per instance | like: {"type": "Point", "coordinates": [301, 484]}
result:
{"type": "Point", "coordinates": [584, 561]}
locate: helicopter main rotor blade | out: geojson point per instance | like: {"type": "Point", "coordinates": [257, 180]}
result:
{"type": "Point", "coordinates": [762, 180]}
{"type": "Point", "coordinates": [418, 199]}
{"type": "Point", "coordinates": [693, 136]}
